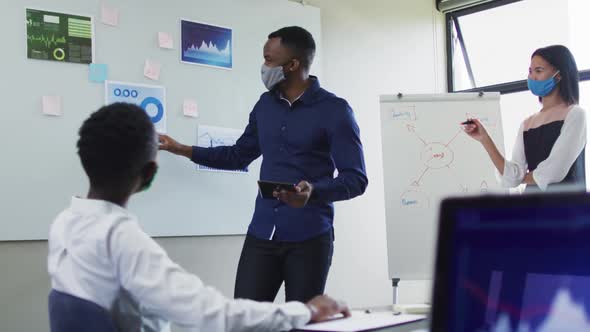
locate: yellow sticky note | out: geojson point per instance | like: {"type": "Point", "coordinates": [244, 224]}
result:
{"type": "Point", "coordinates": [151, 70]}
{"type": "Point", "coordinates": [52, 105]}
{"type": "Point", "coordinates": [165, 40]}
{"type": "Point", "coordinates": [190, 109]}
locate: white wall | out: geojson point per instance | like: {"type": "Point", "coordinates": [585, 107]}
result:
{"type": "Point", "coordinates": [370, 47]}
{"type": "Point", "coordinates": [375, 47]}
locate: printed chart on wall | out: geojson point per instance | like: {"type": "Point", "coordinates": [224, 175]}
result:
{"type": "Point", "coordinates": [427, 157]}
{"type": "Point", "coordinates": [151, 98]}
{"type": "Point", "coordinates": [210, 137]}
{"type": "Point", "coordinates": [59, 36]}
{"type": "Point", "coordinates": [205, 44]}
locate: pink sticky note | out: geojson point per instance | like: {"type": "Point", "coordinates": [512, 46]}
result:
{"type": "Point", "coordinates": [151, 70]}
{"type": "Point", "coordinates": [189, 108]}
{"type": "Point", "coordinates": [165, 40]}
{"type": "Point", "coordinates": [109, 15]}
{"type": "Point", "coordinates": [52, 105]}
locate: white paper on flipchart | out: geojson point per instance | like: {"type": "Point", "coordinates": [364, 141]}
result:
{"type": "Point", "coordinates": [361, 321]}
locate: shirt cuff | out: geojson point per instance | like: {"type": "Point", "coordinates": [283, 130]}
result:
{"type": "Point", "coordinates": [541, 183]}
{"type": "Point", "coordinates": [198, 154]}
{"type": "Point", "coordinates": [318, 193]}
{"type": "Point", "coordinates": [511, 177]}
{"type": "Point", "coordinates": [299, 313]}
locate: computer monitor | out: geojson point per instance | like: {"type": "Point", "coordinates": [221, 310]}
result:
{"type": "Point", "coordinates": [513, 264]}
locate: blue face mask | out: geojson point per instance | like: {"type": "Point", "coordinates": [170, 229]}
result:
{"type": "Point", "coordinates": [544, 87]}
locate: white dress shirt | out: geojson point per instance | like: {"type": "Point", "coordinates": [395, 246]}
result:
{"type": "Point", "coordinates": [565, 151]}
{"type": "Point", "coordinates": [96, 248]}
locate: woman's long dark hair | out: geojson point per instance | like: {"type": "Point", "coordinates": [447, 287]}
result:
{"type": "Point", "coordinates": [562, 59]}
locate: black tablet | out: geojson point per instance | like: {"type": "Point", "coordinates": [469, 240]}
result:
{"type": "Point", "coordinates": [266, 188]}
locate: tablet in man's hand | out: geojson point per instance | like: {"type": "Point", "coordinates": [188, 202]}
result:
{"type": "Point", "coordinates": [268, 187]}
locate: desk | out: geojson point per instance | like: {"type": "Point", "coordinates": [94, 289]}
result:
{"type": "Point", "coordinates": [408, 327]}
{"type": "Point", "coordinates": [423, 324]}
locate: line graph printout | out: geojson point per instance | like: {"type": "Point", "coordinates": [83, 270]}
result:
{"type": "Point", "coordinates": [211, 137]}
{"type": "Point", "coordinates": [59, 37]}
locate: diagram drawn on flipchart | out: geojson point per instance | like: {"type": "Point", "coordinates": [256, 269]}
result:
{"type": "Point", "coordinates": [435, 155]}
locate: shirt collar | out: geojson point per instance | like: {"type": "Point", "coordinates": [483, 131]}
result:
{"type": "Point", "coordinates": [287, 100]}
{"type": "Point", "coordinates": [308, 94]}
{"type": "Point", "coordinates": [95, 206]}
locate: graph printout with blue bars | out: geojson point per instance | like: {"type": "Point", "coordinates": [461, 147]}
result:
{"type": "Point", "coordinates": [211, 137]}
{"type": "Point", "coordinates": [59, 37]}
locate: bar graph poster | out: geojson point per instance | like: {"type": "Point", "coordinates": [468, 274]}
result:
{"type": "Point", "coordinates": [205, 44]}
{"type": "Point", "coordinates": [59, 37]}
{"type": "Point", "coordinates": [211, 137]}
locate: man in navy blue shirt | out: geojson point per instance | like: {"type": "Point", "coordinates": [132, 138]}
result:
{"type": "Point", "coordinates": [304, 134]}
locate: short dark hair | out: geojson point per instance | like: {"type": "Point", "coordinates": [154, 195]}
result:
{"type": "Point", "coordinates": [563, 60]}
{"type": "Point", "coordinates": [298, 40]}
{"type": "Point", "coordinates": [115, 143]}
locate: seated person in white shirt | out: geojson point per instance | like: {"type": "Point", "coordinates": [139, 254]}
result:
{"type": "Point", "coordinates": [97, 247]}
{"type": "Point", "coordinates": [549, 149]}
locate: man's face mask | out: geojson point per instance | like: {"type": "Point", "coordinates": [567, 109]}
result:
{"type": "Point", "coordinates": [271, 76]}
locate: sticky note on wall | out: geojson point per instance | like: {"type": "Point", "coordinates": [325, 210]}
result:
{"type": "Point", "coordinates": [52, 105]}
{"type": "Point", "coordinates": [98, 72]}
{"type": "Point", "coordinates": [151, 70]}
{"type": "Point", "coordinates": [165, 40]}
{"type": "Point", "coordinates": [109, 15]}
{"type": "Point", "coordinates": [190, 108]}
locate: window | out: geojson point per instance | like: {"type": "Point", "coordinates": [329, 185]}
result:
{"type": "Point", "coordinates": [491, 44]}
{"type": "Point", "coordinates": [489, 48]}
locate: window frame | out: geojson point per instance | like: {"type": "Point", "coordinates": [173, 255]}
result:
{"type": "Point", "coordinates": [452, 20]}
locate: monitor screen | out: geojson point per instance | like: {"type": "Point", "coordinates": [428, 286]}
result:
{"type": "Point", "coordinates": [514, 264]}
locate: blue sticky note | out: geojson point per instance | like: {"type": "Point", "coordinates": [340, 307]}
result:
{"type": "Point", "coordinates": [98, 72]}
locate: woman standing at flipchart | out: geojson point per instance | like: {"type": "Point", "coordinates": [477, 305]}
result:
{"type": "Point", "coordinates": [549, 148]}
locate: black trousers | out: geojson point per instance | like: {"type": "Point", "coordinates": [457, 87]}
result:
{"type": "Point", "coordinates": [265, 264]}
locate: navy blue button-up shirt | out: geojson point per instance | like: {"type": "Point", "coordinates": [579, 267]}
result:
{"type": "Point", "coordinates": [307, 140]}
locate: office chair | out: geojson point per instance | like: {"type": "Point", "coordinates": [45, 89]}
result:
{"type": "Point", "coordinates": [68, 313]}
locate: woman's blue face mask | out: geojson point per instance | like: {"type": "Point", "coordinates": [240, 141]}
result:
{"type": "Point", "coordinates": [544, 87]}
